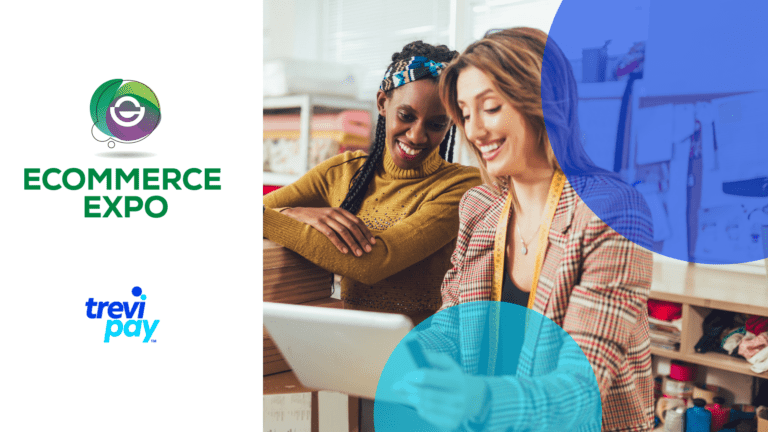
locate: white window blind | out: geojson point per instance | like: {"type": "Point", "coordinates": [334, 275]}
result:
{"type": "Point", "coordinates": [365, 34]}
{"type": "Point", "coordinates": [625, 22]}
{"type": "Point", "coordinates": [500, 14]}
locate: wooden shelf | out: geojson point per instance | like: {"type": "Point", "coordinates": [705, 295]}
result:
{"type": "Point", "coordinates": [701, 289]}
{"type": "Point", "coordinates": [710, 287]}
{"type": "Point", "coordinates": [284, 382]}
{"type": "Point", "coordinates": [679, 99]}
{"type": "Point", "coordinates": [665, 352]}
{"type": "Point", "coordinates": [602, 90]}
{"type": "Point", "coordinates": [715, 360]}
{"type": "Point", "coordinates": [296, 101]}
{"type": "Point", "coordinates": [308, 105]}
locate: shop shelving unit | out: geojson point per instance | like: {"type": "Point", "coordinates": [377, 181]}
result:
{"type": "Point", "coordinates": [307, 104]}
{"type": "Point", "coordinates": [700, 289]}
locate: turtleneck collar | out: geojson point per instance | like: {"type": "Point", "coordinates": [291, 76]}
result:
{"type": "Point", "coordinates": [429, 166]}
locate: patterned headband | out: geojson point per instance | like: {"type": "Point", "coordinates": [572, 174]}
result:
{"type": "Point", "coordinates": [404, 71]}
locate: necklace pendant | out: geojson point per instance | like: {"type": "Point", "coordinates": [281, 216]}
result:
{"type": "Point", "coordinates": [525, 250]}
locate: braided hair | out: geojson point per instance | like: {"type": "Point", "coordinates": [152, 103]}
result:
{"type": "Point", "coordinates": [358, 186]}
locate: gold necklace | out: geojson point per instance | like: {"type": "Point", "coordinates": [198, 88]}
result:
{"type": "Point", "coordinates": [525, 243]}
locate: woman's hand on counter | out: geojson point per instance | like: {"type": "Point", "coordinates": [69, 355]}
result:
{"type": "Point", "coordinates": [343, 229]}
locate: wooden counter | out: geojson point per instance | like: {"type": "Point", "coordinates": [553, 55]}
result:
{"type": "Point", "coordinates": [289, 278]}
{"type": "Point", "coordinates": [284, 383]}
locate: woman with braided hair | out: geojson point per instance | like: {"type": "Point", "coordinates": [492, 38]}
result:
{"type": "Point", "coordinates": [387, 222]}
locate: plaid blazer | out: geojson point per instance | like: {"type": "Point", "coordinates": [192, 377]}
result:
{"type": "Point", "coordinates": [594, 284]}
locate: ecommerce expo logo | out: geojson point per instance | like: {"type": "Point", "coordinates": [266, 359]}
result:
{"type": "Point", "coordinates": [126, 112]}
{"type": "Point", "coordinates": [123, 111]}
{"type": "Point", "coordinates": [115, 310]}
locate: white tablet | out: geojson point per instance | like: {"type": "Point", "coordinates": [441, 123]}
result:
{"type": "Point", "coordinates": [335, 349]}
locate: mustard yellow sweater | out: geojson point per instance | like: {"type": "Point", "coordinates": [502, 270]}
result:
{"type": "Point", "coordinates": [413, 214]}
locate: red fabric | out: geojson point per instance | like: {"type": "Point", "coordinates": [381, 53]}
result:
{"type": "Point", "coordinates": [682, 372]}
{"type": "Point", "coordinates": [268, 189]}
{"type": "Point", "coordinates": [756, 324]}
{"type": "Point", "coordinates": [664, 310]}
{"type": "Point", "coordinates": [720, 415]}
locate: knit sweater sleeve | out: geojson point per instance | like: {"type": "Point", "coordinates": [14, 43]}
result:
{"type": "Point", "coordinates": [412, 239]}
{"type": "Point", "coordinates": [443, 333]}
{"type": "Point", "coordinates": [313, 188]}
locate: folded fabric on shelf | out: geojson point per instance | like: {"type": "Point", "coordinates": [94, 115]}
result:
{"type": "Point", "coordinates": [350, 128]}
{"type": "Point", "coordinates": [675, 326]}
{"type": "Point", "coordinates": [665, 334]}
{"type": "Point", "coordinates": [751, 344]}
{"type": "Point", "coordinates": [756, 324]}
{"type": "Point", "coordinates": [664, 310]}
{"type": "Point", "coordinates": [713, 327]}
{"type": "Point", "coordinates": [732, 340]}
{"type": "Point", "coordinates": [759, 361]}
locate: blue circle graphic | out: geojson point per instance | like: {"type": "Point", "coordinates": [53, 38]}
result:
{"type": "Point", "coordinates": [480, 363]}
{"type": "Point", "coordinates": [136, 291]}
{"type": "Point", "coordinates": [668, 102]}
{"type": "Point", "coordinates": [143, 296]}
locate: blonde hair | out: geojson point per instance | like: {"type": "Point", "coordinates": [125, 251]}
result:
{"type": "Point", "coordinates": [512, 59]}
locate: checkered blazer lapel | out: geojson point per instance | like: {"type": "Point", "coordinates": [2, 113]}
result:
{"type": "Point", "coordinates": [557, 238]}
{"type": "Point", "coordinates": [558, 230]}
{"type": "Point", "coordinates": [561, 222]}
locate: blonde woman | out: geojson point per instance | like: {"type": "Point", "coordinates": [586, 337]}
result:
{"type": "Point", "coordinates": [526, 237]}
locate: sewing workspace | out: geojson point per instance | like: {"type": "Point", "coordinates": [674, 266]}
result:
{"type": "Point", "coordinates": [515, 215]}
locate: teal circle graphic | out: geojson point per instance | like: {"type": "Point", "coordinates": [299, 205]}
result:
{"type": "Point", "coordinates": [143, 296]}
{"type": "Point", "coordinates": [489, 366]}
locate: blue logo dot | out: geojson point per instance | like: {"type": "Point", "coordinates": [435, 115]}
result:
{"type": "Point", "coordinates": [136, 291]}
{"type": "Point", "coordinates": [143, 296]}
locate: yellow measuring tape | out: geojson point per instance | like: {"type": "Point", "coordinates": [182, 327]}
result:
{"type": "Point", "coordinates": [499, 256]}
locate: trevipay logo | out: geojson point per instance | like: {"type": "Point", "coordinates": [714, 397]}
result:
{"type": "Point", "coordinates": [115, 310]}
{"type": "Point", "coordinates": [123, 111]}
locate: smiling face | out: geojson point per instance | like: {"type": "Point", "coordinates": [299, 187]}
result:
{"type": "Point", "coordinates": [416, 122]}
{"type": "Point", "coordinates": [498, 131]}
